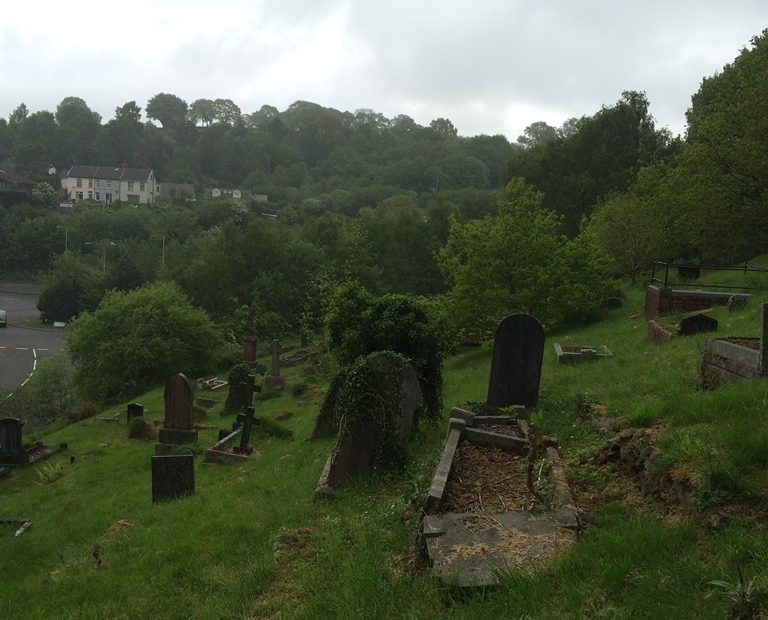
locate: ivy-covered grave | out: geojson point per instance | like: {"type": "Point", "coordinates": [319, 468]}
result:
{"type": "Point", "coordinates": [371, 407]}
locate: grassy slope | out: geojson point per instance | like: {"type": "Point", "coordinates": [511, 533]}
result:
{"type": "Point", "coordinates": [251, 543]}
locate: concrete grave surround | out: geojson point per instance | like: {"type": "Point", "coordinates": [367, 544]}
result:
{"type": "Point", "coordinates": [470, 549]}
{"type": "Point", "coordinates": [178, 427]}
{"type": "Point", "coordinates": [173, 476]}
{"type": "Point", "coordinates": [518, 352]}
{"type": "Point", "coordinates": [396, 389]}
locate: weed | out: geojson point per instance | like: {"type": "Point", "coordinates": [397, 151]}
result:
{"type": "Point", "coordinates": [49, 472]}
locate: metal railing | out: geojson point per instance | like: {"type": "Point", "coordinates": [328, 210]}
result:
{"type": "Point", "coordinates": [687, 275]}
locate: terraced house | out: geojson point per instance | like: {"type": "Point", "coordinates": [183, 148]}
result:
{"type": "Point", "coordinates": [107, 184]}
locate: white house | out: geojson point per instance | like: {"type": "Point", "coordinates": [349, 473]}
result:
{"type": "Point", "coordinates": [107, 184]}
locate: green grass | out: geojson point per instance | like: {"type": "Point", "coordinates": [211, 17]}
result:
{"type": "Point", "coordinates": [251, 542]}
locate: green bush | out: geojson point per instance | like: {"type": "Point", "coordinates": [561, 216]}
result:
{"type": "Point", "coordinates": [139, 428]}
{"type": "Point", "coordinates": [359, 324]}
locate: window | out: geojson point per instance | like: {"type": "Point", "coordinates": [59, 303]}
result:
{"type": "Point", "coordinates": [141, 186]}
{"type": "Point", "coordinates": [109, 184]}
{"type": "Point", "coordinates": [96, 184]}
{"type": "Point", "coordinates": [98, 195]}
{"type": "Point", "coordinates": [90, 183]}
{"type": "Point", "coordinates": [236, 194]}
{"type": "Point", "coordinates": [90, 195]}
{"type": "Point", "coordinates": [78, 195]}
{"type": "Point", "coordinates": [130, 186]}
{"type": "Point", "coordinates": [216, 193]}
{"type": "Point", "coordinates": [79, 183]}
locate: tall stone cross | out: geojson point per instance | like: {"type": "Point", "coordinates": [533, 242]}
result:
{"type": "Point", "coordinates": [275, 348]}
{"type": "Point", "coordinates": [249, 354]}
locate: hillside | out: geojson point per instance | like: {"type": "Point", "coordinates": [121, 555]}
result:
{"type": "Point", "coordinates": [251, 542]}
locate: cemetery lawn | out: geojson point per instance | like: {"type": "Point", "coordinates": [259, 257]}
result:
{"type": "Point", "coordinates": [252, 543]}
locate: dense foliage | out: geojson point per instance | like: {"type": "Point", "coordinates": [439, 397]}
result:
{"type": "Point", "coordinates": [134, 340]}
{"type": "Point", "coordinates": [518, 262]}
{"type": "Point", "coordinates": [358, 324]}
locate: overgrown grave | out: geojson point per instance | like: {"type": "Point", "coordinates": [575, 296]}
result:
{"type": "Point", "coordinates": [485, 511]}
{"type": "Point", "coordinates": [660, 330]}
{"type": "Point", "coordinates": [371, 408]}
{"type": "Point", "coordinates": [569, 354]}
{"type": "Point", "coordinates": [728, 359]}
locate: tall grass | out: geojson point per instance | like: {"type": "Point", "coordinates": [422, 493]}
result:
{"type": "Point", "coordinates": [252, 543]}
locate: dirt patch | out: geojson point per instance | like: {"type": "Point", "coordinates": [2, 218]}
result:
{"type": "Point", "coordinates": [487, 479]}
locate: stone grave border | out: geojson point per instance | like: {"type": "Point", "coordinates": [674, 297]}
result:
{"type": "Point", "coordinates": [567, 354]}
{"type": "Point", "coordinates": [438, 529]}
{"type": "Point", "coordinates": [221, 451]}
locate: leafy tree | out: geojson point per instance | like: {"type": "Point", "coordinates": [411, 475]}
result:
{"type": "Point", "coordinates": [202, 111]}
{"type": "Point", "coordinates": [43, 194]}
{"type": "Point", "coordinates": [139, 338]}
{"type": "Point", "coordinates": [78, 128]}
{"type": "Point", "coordinates": [74, 284]}
{"type": "Point", "coordinates": [169, 110]}
{"type": "Point", "coordinates": [721, 176]}
{"type": "Point", "coordinates": [358, 324]}
{"type": "Point", "coordinates": [518, 262]}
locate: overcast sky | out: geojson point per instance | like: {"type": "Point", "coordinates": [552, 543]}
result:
{"type": "Point", "coordinates": [490, 66]}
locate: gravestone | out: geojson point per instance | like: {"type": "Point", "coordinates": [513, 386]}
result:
{"type": "Point", "coordinates": [173, 476]}
{"type": "Point", "coordinates": [697, 324]}
{"type": "Point", "coordinates": [518, 351]}
{"type": "Point", "coordinates": [275, 348]}
{"type": "Point", "coordinates": [374, 419]}
{"type": "Point", "coordinates": [249, 354]}
{"type": "Point", "coordinates": [689, 272]}
{"type": "Point", "coordinates": [12, 450]}
{"type": "Point", "coordinates": [135, 410]}
{"type": "Point", "coordinates": [178, 427]}
{"type": "Point", "coordinates": [737, 302]}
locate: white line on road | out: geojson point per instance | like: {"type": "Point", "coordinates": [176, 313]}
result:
{"type": "Point", "coordinates": [22, 348]}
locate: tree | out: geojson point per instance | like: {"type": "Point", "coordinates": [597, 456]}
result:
{"type": "Point", "coordinates": [537, 133]}
{"type": "Point", "coordinates": [358, 324]}
{"type": "Point", "coordinates": [139, 338]}
{"type": "Point", "coordinates": [169, 110]}
{"type": "Point", "coordinates": [202, 111]}
{"type": "Point", "coordinates": [43, 194]}
{"type": "Point", "coordinates": [518, 262]}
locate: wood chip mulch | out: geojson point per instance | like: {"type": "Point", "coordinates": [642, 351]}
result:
{"type": "Point", "coordinates": [487, 479]}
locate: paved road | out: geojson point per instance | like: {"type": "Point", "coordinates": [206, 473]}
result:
{"type": "Point", "coordinates": [21, 348]}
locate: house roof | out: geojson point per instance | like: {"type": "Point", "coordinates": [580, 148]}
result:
{"type": "Point", "coordinates": [109, 173]}
{"type": "Point", "coordinates": [9, 175]}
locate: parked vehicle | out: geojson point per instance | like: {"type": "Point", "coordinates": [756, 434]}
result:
{"type": "Point", "coordinates": [3, 318]}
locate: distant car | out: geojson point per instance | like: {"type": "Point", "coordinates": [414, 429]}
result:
{"type": "Point", "coordinates": [3, 318]}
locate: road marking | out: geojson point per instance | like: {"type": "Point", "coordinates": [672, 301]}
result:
{"type": "Point", "coordinates": [22, 348]}
{"type": "Point", "coordinates": [34, 353]}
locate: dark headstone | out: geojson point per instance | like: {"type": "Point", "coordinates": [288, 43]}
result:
{"type": "Point", "coordinates": [613, 303]}
{"type": "Point", "coordinates": [247, 420]}
{"type": "Point", "coordinates": [12, 450]}
{"type": "Point", "coordinates": [135, 410]}
{"type": "Point", "coordinates": [178, 427]}
{"type": "Point", "coordinates": [173, 476]}
{"type": "Point", "coordinates": [518, 351]}
{"type": "Point", "coordinates": [697, 324]}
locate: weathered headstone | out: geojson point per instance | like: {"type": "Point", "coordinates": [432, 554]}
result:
{"type": "Point", "coordinates": [697, 324]}
{"type": "Point", "coordinates": [275, 349]}
{"type": "Point", "coordinates": [613, 303]}
{"type": "Point", "coordinates": [135, 410]}
{"type": "Point", "coordinates": [374, 419]}
{"type": "Point", "coordinates": [173, 476]}
{"type": "Point", "coordinates": [249, 354]}
{"type": "Point", "coordinates": [737, 302]}
{"type": "Point", "coordinates": [518, 351]}
{"type": "Point", "coordinates": [178, 427]}
{"type": "Point", "coordinates": [689, 272]}
{"type": "Point", "coordinates": [12, 450]}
